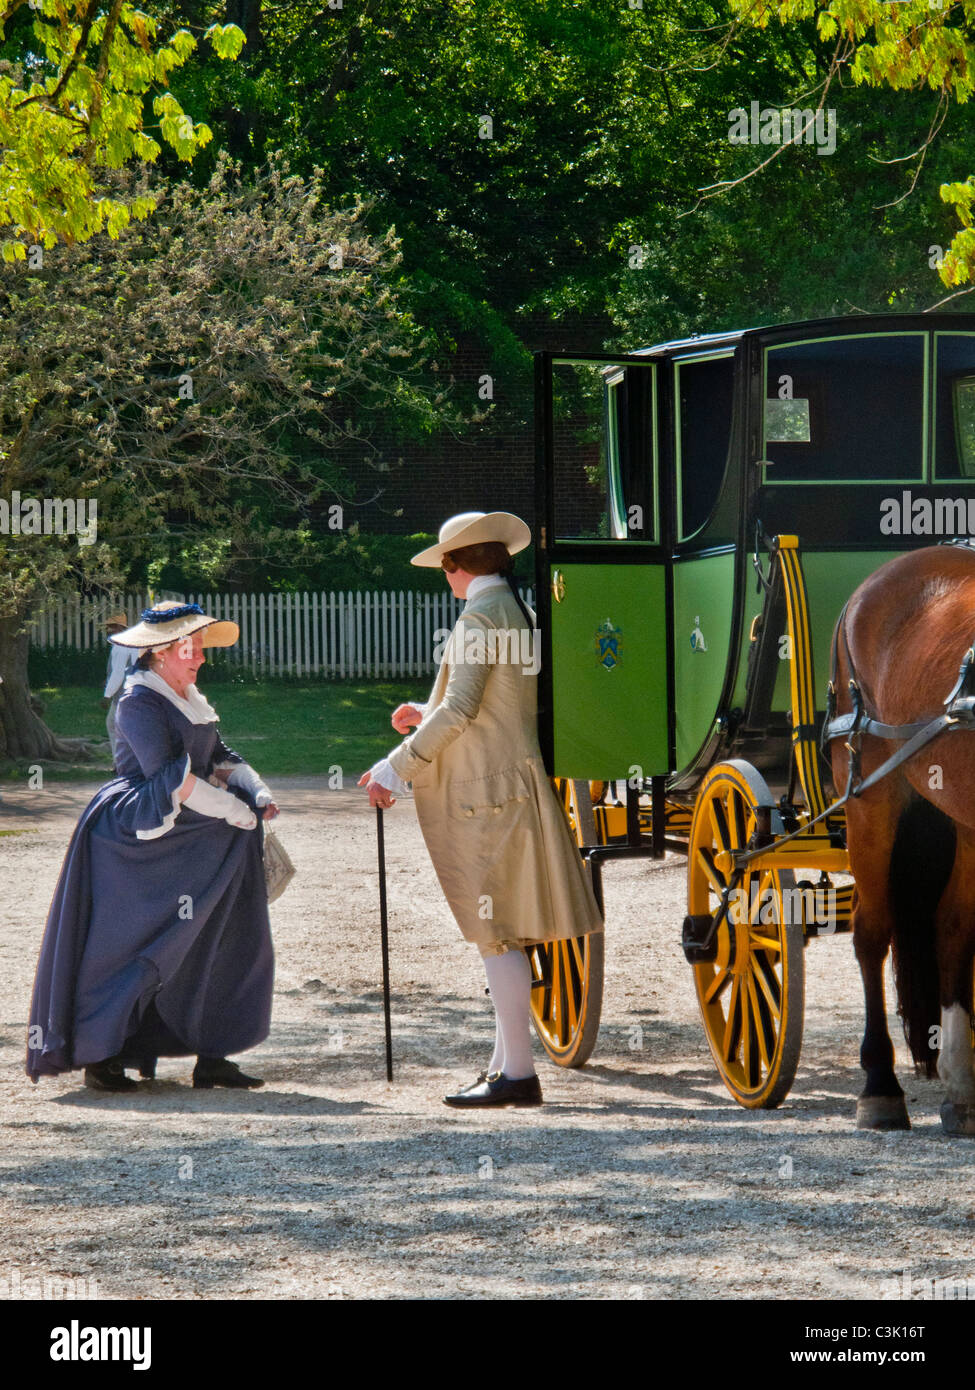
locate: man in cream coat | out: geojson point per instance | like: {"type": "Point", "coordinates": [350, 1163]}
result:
{"type": "Point", "coordinates": [498, 838]}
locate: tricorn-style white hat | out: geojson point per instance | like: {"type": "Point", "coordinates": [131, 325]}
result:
{"type": "Point", "coordinates": [168, 622]}
{"type": "Point", "coordinates": [474, 528]}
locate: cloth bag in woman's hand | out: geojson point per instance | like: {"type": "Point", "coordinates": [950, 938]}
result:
{"type": "Point", "coordinates": [278, 868]}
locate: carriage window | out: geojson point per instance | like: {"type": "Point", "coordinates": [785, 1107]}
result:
{"type": "Point", "coordinates": [963, 393]}
{"type": "Point", "coordinates": [954, 408]}
{"type": "Point", "coordinates": [631, 435]}
{"type": "Point", "coordinates": [704, 393]}
{"type": "Point", "coordinates": [603, 444]}
{"type": "Point", "coordinates": [848, 409]}
{"type": "Point", "coordinates": [582, 505]}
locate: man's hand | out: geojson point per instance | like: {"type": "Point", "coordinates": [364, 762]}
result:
{"type": "Point", "coordinates": [269, 811]}
{"type": "Point", "coordinates": [404, 717]}
{"type": "Point", "coordinates": [378, 794]}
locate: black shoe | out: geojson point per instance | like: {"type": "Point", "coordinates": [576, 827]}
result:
{"type": "Point", "coordinates": [498, 1089]}
{"type": "Point", "coordinates": [217, 1071]}
{"type": "Point", "coordinates": [109, 1076]}
{"type": "Point", "coordinates": [146, 1065]}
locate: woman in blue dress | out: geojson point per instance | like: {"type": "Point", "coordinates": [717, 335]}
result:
{"type": "Point", "coordinates": [158, 942]}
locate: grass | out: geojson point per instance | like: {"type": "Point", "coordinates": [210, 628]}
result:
{"type": "Point", "coordinates": [280, 727]}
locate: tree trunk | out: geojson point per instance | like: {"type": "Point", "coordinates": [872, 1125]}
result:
{"type": "Point", "coordinates": [22, 733]}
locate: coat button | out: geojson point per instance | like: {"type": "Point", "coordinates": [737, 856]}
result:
{"type": "Point", "coordinates": [468, 810]}
{"type": "Point", "coordinates": [497, 809]}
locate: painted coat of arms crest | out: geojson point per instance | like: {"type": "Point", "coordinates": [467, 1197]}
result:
{"type": "Point", "coordinates": [609, 640]}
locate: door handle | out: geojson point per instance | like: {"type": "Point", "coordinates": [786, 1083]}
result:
{"type": "Point", "coordinates": [558, 586]}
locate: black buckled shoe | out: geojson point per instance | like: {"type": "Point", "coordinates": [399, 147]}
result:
{"type": "Point", "coordinates": [498, 1089]}
{"type": "Point", "coordinates": [109, 1076]}
{"type": "Point", "coordinates": [217, 1071]}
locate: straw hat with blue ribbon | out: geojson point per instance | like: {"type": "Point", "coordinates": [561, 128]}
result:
{"type": "Point", "coordinates": [169, 622]}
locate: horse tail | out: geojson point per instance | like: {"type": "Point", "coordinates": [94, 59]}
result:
{"type": "Point", "coordinates": [920, 866]}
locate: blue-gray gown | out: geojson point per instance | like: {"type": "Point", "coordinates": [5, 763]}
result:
{"type": "Point", "coordinates": [154, 946]}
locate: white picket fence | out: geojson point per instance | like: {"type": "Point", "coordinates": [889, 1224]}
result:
{"type": "Point", "coordinates": [342, 635]}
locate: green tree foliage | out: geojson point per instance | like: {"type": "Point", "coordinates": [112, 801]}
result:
{"type": "Point", "coordinates": [605, 197]}
{"type": "Point", "coordinates": [912, 45]}
{"type": "Point", "coordinates": [72, 102]}
{"type": "Point", "coordinates": [511, 145]}
{"type": "Point", "coordinates": [195, 378]}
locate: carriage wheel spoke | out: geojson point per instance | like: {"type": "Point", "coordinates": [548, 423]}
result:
{"type": "Point", "coordinates": [570, 1015]}
{"type": "Point", "coordinates": [555, 1003]}
{"type": "Point", "coordinates": [721, 977]}
{"type": "Point", "coordinates": [729, 1029]}
{"type": "Point", "coordinates": [737, 807]}
{"type": "Point", "coordinates": [771, 998]}
{"type": "Point", "coordinates": [759, 931]}
{"type": "Point", "coordinates": [756, 1015]}
{"type": "Point", "coordinates": [747, 1032]}
{"type": "Point", "coordinates": [719, 825]}
{"type": "Point", "coordinates": [704, 859]}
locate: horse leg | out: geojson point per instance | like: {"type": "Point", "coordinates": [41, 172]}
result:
{"type": "Point", "coordinates": [956, 949]}
{"type": "Point", "coordinates": [880, 1104]}
{"type": "Point", "coordinates": [871, 831]}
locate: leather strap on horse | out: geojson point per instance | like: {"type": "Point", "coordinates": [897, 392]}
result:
{"type": "Point", "coordinates": [959, 713]}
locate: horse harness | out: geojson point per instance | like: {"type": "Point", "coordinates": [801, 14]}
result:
{"type": "Point", "coordinates": [959, 713]}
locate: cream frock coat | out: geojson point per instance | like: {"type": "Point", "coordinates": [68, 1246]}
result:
{"type": "Point", "coordinates": [498, 838]}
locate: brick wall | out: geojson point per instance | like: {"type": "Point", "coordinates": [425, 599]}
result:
{"type": "Point", "coordinates": [492, 468]}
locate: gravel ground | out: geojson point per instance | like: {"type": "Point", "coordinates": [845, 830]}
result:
{"type": "Point", "coordinates": [639, 1177]}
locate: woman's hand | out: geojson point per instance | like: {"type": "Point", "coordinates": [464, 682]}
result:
{"type": "Point", "coordinates": [404, 717]}
{"type": "Point", "coordinates": [269, 811]}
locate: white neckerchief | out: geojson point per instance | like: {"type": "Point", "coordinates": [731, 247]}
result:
{"type": "Point", "coordinates": [195, 708]}
{"type": "Point", "coordinates": [480, 582]}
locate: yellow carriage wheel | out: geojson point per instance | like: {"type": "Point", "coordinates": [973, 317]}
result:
{"type": "Point", "coordinates": [567, 997]}
{"type": "Point", "coordinates": [567, 975]}
{"type": "Point", "coordinates": [751, 992]}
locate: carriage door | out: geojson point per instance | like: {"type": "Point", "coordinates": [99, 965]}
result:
{"type": "Point", "coordinates": [603, 577]}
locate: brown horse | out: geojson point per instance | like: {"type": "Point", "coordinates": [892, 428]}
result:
{"type": "Point", "coordinates": [911, 836]}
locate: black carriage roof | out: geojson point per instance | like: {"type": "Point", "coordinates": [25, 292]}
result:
{"type": "Point", "coordinates": [847, 323]}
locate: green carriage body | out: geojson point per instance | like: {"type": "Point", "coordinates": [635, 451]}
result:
{"type": "Point", "coordinates": [646, 654]}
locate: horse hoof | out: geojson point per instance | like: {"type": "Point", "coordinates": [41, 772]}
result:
{"type": "Point", "coordinates": [882, 1112]}
{"type": "Point", "coordinates": [957, 1118]}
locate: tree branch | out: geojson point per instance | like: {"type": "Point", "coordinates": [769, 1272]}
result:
{"type": "Point", "coordinates": [89, 19]}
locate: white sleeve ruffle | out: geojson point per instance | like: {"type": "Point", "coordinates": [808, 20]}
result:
{"type": "Point", "coordinates": [169, 820]}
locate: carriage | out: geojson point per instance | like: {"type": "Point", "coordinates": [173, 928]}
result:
{"type": "Point", "coordinates": [704, 509]}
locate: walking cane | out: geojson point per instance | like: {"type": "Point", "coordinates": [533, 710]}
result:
{"type": "Point", "coordinates": [384, 934]}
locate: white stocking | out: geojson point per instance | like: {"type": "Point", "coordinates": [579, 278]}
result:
{"type": "Point", "coordinates": [509, 978]}
{"type": "Point", "coordinates": [497, 1056]}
